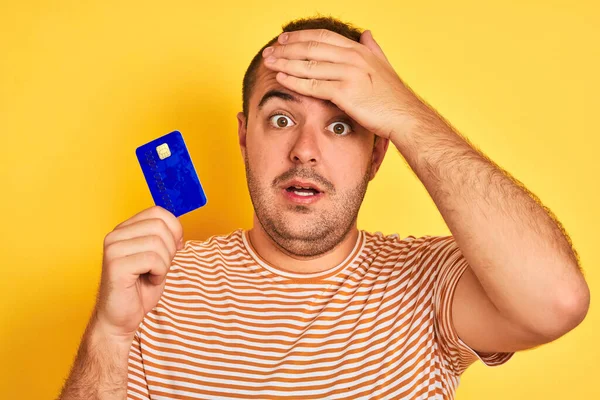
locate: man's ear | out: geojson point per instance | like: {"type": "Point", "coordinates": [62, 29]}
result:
{"type": "Point", "coordinates": [379, 149]}
{"type": "Point", "coordinates": [242, 132]}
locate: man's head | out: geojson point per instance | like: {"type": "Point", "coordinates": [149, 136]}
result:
{"type": "Point", "coordinates": [290, 141]}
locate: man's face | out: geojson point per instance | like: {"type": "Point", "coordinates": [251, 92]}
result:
{"type": "Point", "coordinates": [305, 143]}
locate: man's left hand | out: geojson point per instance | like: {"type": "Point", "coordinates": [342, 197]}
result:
{"type": "Point", "coordinates": [356, 77]}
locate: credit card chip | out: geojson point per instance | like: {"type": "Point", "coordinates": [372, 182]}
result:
{"type": "Point", "coordinates": [163, 151]}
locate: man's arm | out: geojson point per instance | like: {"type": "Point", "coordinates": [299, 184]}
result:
{"type": "Point", "coordinates": [100, 367]}
{"type": "Point", "coordinates": [137, 256]}
{"type": "Point", "coordinates": [523, 286]}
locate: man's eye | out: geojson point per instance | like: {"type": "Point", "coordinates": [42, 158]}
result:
{"type": "Point", "coordinates": [283, 121]}
{"type": "Point", "coordinates": [338, 128]}
{"type": "Point", "coordinates": [279, 120]}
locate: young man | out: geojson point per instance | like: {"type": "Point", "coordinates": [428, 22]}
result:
{"type": "Point", "coordinates": [305, 305]}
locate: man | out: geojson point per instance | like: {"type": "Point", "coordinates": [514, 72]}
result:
{"type": "Point", "coordinates": [305, 305]}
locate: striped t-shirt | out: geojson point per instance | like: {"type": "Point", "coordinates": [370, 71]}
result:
{"type": "Point", "coordinates": [377, 326]}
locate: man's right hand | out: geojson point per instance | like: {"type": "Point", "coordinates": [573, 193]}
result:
{"type": "Point", "coordinates": [137, 256]}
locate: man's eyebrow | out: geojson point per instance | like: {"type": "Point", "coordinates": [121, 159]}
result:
{"type": "Point", "coordinates": [274, 93]}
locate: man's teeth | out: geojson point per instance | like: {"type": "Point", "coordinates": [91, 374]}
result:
{"type": "Point", "coordinates": [304, 193]}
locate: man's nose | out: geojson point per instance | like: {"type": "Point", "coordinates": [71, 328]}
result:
{"type": "Point", "coordinates": [305, 149]}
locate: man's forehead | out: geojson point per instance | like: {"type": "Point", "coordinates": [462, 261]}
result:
{"type": "Point", "coordinates": [267, 88]}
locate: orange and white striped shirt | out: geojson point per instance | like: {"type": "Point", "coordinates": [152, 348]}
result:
{"type": "Point", "coordinates": [377, 326]}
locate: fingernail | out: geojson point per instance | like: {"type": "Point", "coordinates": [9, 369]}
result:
{"type": "Point", "coordinates": [267, 51]}
{"type": "Point", "coordinates": [283, 38]}
{"type": "Point", "coordinates": [180, 244]}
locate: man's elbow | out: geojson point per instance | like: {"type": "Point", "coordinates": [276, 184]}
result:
{"type": "Point", "coordinates": [569, 309]}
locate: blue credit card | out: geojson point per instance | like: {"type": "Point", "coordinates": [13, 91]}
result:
{"type": "Point", "coordinates": [170, 174]}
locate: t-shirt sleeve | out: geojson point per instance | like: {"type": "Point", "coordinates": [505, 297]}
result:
{"type": "Point", "coordinates": [137, 386]}
{"type": "Point", "coordinates": [450, 264]}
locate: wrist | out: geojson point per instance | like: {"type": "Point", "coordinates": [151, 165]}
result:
{"type": "Point", "coordinates": [416, 127]}
{"type": "Point", "coordinates": [403, 129]}
{"type": "Point", "coordinates": [100, 369]}
{"type": "Point", "coordinates": [100, 335]}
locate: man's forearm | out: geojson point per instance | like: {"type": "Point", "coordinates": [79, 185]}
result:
{"type": "Point", "coordinates": [518, 251]}
{"type": "Point", "coordinates": [100, 367]}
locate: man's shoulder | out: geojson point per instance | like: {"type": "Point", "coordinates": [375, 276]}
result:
{"type": "Point", "coordinates": [222, 240]}
{"type": "Point", "coordinates": [391, 245]}
{"type": "Point", "coordinates": [425, 255]}
{"type": "Point", "coordinates": [203, 254]}
{"type": "Point", "coordinates": [379, 238]}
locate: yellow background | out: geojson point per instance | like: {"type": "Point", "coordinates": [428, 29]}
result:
{"type": "Point", "coordinates": [83, 84]}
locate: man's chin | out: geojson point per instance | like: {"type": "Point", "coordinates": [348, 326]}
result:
{"type": "Point", "coordinates": [305, 238]}
{"type": "Point", "coordinates": [299, 212]}
{"type": "Point", "coordinates": [302, 227]}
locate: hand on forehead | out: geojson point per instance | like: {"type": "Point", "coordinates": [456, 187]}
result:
{"type": "Point", "coordinates": [355, 76]}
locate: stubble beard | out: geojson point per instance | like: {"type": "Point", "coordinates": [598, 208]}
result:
{"type": "Point", "coordinates": [321, 230]}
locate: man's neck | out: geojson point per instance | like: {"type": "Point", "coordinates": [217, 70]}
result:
{"type": "Point", "coordinates": [272, 253]}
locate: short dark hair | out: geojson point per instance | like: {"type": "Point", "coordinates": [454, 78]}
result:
{"type": "Point", "coordinates": [318, 22]}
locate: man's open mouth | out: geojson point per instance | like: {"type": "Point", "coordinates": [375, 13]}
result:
{"type": "Point", "coordinates": [303, 191]}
